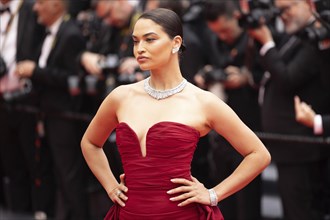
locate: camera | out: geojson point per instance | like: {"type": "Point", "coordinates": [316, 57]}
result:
{"type": "Point", "coordinates": [261, 12]}
{"type": "Point", "coordinates": [3, 67]}
{"type": "Point", "coordinates": [212, 75]}
{"type": "Point", "coordinates": [23, 91]}
{"type": "Point", "coordinates": [110, 63]}
{"type": "Point", "coordinates": [316, 34]}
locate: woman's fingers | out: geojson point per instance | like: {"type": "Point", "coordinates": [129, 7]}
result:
{"type": "Point", "coordinates": [122, 195]}
{"type": "Point", "coordinates": [189, 192]}
{"type": "Point", "coordinates": [182, 181]}
{"type": "Point", "coordinates": [188, 201]}
{"type": "Point", "coordinates": [122, 183]}
{"type": "Point", "coordinates": [179, 189]}
{"type": "Point", "coordinates": [122, 178]}
{"type": "Point", "coordinates": [118, 195]}
{"type": "Point", "coordinates": [183, 196]}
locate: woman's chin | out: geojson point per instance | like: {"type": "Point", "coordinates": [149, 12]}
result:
{"type": "Point", "coordinates": [144, 68]}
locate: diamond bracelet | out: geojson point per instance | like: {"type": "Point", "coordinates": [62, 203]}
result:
{"type": "Point", "coordinates": [213, 197]}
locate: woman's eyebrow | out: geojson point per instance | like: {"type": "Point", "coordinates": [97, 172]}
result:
{"type": "Point", "coordinates": [145, 35]}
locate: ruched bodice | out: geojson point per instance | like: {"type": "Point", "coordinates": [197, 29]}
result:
{"type": "Point", "coordinates": [170, 148]}
{"type": "Point", "coordinates": [169, 151]}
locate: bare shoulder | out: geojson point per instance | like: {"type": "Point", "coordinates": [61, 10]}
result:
{"type": "Point", "coordinates": [108, 110]}
{"type": "Point", "coordinates": [122, 92]}
{"type": "Point", "coordinates": [215, 110]}
{"type": "Point", "coordinates": [205, 98]}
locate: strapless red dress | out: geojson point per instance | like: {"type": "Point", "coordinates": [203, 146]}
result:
{"type": "Point", "coordinates": [170, 147]}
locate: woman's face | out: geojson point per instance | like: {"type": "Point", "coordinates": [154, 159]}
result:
{"type": "Point", "coordinates": [152, 46]}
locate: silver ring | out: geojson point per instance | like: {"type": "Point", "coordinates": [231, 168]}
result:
{"type": "Point", "coordinates": [118, 193]}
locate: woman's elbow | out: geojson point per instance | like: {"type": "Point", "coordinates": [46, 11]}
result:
{"type": "Point", "coordinates": [83, 142]}
{"type": "Point", "coordinates": [265, 158]}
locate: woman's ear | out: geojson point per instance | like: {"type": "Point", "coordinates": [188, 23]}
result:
{"type": "Point", "coordinates": [177, 41]}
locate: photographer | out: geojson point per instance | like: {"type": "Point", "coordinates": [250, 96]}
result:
{"type": "Point", "coordinates": [229, 52]}
{"type": "Point", "coordinates": [293, 70]}
{"type": "Point", "coordinates": [109, 58]}
{"type": "Point", "coordinates": [318, 35]}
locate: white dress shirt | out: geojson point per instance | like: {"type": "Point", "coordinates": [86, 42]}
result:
{"type": "Point", "coordinates": [318, 125]}
{"type": "Point", "coordinates": [8, 43]}
{"type": "Point", "coordinates": [48, 43]}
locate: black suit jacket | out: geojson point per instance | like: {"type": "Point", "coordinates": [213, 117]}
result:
{"type": "Point", "coordinates": [325, 67]}
{"type": "Point", "coordinates": [326, 125]}
{"type": "Point", "coordinates": [294, 70]}
{"type": "Point", "coordinates": [52, 81]}
{"type": "Point", "coordinates": [29, 33]}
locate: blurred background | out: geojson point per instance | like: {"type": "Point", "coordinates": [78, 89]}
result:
{"type": "Point", "coordinates": [267, 59]}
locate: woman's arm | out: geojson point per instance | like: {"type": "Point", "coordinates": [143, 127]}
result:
{"type": "Point", "coordinates": [221, 118]}
{"type": "Point", "coordinates": [224, 121]}
{"type": "Point", "coordinates": [93, 140]}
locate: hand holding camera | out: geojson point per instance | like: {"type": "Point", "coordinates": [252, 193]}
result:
{"type": "Point", "coordinates": [262, 34]}
{"type": "Point", "coordinates": [236, 78]}
{"type": "Point", "coordinates": [209, 75]}
{"type": "Point", "coordinates": [255, 14]}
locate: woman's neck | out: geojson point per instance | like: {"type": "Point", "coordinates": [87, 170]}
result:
{"type": "Point", "coordinates": [165, 78]}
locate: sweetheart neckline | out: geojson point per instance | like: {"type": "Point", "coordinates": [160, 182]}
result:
{"type": "Point", "coordinates": [152, 126]}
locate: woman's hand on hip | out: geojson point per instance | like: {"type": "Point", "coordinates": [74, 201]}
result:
{"type": "Point", "coordinates": [190, 191]}
{"type": "Point", "coordinates": [117, 195]}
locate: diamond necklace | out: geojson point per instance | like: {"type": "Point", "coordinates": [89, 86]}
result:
{"type": "Point", "coordinates": [162, 94]}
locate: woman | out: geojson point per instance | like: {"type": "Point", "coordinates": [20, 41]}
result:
{"type": "Point", "coordinates": [158, 123]}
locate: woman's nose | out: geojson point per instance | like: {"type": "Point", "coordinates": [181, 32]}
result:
{"type": "Point", "coordinates": [140, 47]}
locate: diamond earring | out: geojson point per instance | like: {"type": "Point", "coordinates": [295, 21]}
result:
{"type": "Point", "coordinates": [175, 50]}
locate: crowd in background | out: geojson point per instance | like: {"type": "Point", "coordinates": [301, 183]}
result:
{"type": "Point", "coordinates": [60, 58]}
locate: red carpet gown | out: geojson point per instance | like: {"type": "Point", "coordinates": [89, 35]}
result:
{"type": "Point", "coordinates": [169, 150]}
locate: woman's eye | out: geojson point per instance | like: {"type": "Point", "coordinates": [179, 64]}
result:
{"type": "Point", "coordinates": [135, 42]}
{"type": "Point", "coordinates": [150, 40]}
